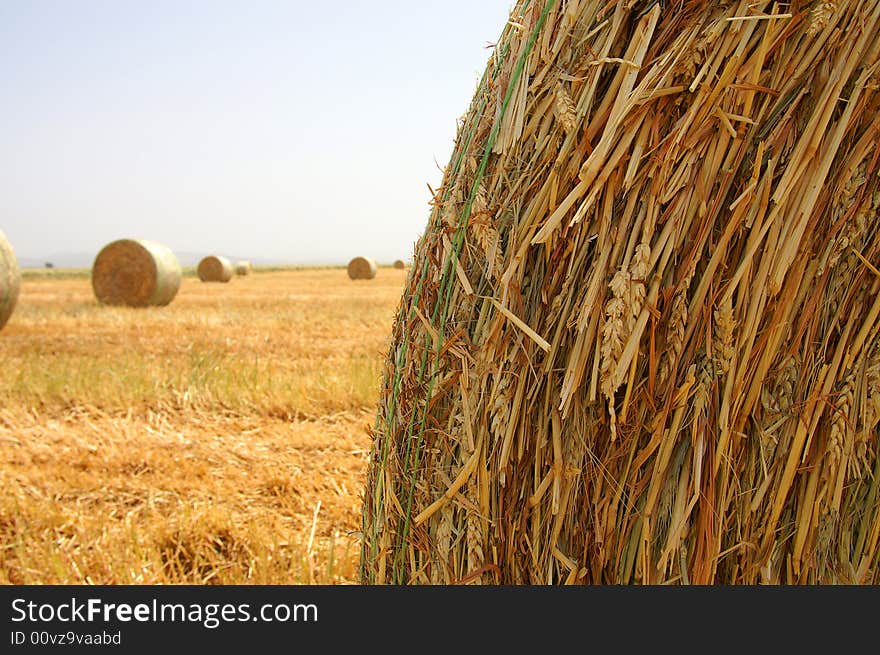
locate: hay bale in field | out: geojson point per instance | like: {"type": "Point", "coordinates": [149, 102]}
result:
{"type": "Point", "coordinates": [135, 272]}
{"type": "Point", "coordinates": [642, 342]}
{"type": "Point", "coordinates": [243, 267]}
{"type": "Point", "coordinates": [362, 268]}
{"type": "Point", "coordinates": [10, 280]}
{"type": "Point", "coordinates": [398, 263]}
{"type": "Point", "coordinates": [214, 268]}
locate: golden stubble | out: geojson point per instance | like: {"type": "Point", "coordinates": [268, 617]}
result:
{"type": "Point", "coordinates": [220, 439]}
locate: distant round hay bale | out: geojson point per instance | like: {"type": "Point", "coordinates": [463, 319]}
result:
{"type": "Point", "coordinates": [215, 269]}
{"type": "Point", "coordinates": [135, 272]}
{"type": "Point", "coordinates": [362, 268]}
{"type": "Point", "coordinates": [10, 279]}
{"type": "Point", "coordinates": [398, 263]}
{"type": "Point", "coordinates": [243, 267]}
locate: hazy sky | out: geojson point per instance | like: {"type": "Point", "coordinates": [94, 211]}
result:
{"type": "Point", "coordinates": [299, 132]}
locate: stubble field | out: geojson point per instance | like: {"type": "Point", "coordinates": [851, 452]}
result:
{"type": "Point", "coordinates": [220, 439]}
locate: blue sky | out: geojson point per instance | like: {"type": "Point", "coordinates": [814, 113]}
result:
{"type": "Point", "coordinates": [278, 131]}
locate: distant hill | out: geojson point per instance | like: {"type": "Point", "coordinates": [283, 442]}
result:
{"type": "Point", "coordinates": [85, 260]}
{"type": "Point", "coordinates": [59, 260]}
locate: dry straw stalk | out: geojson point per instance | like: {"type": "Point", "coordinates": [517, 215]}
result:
{"type": "Point", "coordinates": [362, 268]}
{"type": "Point", "coordinates": [135, 272]}
{"type": "Point", "coordinates": [10, 280]}
{"type": "Point", "coordinates": [214, 268]}
{"type": "Point", "coordinates": [640, 340]}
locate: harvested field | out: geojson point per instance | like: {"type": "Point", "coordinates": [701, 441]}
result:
{"type": "Point", "coordinates": [139, 447]}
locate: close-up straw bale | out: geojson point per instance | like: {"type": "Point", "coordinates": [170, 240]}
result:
{"type": "Point", "coordinates": [640, 340]}
{"type": "Point", "coordinates": [135, 272]}
{"type": "Point", "coordinates": [10, 280]}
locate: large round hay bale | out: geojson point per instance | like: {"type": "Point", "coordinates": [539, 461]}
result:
{"type": "Point", "coordinates": [362, 268]}
{"type": "Point", "coordinates": [640, 343]}
{"type": "Point", "coordinates": [135, 272]}
{"type": "Point", "coordinates": [10, 280]}
{"type": "Point", "coordinates": [243, 267]}
{"type": "Point", "coordinates": [398, 263]}
{"type": "Point", "coordinates": [214, 268]}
